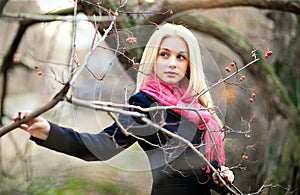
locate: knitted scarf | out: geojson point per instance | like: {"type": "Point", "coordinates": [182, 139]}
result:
{"type": "Point", "coordinates": [174, 95]}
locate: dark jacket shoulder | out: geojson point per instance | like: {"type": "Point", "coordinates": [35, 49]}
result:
{"type": "Point", "coordinates": [141, 99]}
{"type": "Point", "coordinates": [144, 100]}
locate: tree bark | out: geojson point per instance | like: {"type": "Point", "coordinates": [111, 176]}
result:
{"type": "Point", "coordinates": [179, 6]}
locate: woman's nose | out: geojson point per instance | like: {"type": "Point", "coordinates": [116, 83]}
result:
{"type": "Point", "coordinates": [172, 62]}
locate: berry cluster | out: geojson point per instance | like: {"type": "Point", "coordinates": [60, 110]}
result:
{"type": "Point", "coordinates": [131, 40]}
{"type": "Point", "coordinates": [243, 77]}
{"type": "Point", "coordinates": [268, 54]}
{"type": "Point", "coordinates": [251, 99]}
{"type": "Point", "coordinates": [245, 157]}
{"type": "Point", "coordinates": [232, 64]}
{"type": "Point", "coordinates": [228, 69]}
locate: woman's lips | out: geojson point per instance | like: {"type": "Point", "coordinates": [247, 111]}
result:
{"type": "Point", "coordinates": [171, 74]}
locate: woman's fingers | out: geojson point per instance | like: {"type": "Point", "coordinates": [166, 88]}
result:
{"type": "Point", "coordinates": [217, 180]}
{"type": "Point", "coordinates": [226, 174]}
{"type": "Point", "coordinates": [37, 127]}
{"type": "Point", "coordinates": [24, 114]}
{"type": "Point", "coordinates": [21, 115]}
{"type": "Point", "coordinates": [18, 116]}
{"type": "Point", "coordinates": [24, 127]}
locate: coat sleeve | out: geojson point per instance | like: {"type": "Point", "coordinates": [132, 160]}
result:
{"type": "Point", "coordinates": [91, 147]}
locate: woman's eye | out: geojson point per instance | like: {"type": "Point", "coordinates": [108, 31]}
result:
{"type": "Point", "coordinates": [163, 54]}
{"type": "Point", "coordinates": [181, 57]}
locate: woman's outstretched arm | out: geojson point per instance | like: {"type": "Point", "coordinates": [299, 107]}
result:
{"type": "Point", "coordinates": [89, 147]}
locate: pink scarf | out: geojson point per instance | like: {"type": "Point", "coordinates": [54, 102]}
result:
{"type": "Point", "coordinates": [173, 95]}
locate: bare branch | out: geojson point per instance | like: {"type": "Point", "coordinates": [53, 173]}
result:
{"type": "Point", "coordinates": [272, 186]}
{"type": "Point", "coordinates": [179, 6]}
{"type": "Point", "coordinates": [224, 79]}
{"type": "Point", "coordinates": [50, 18]}
{"type": "Point", "coordinates": [190, 145]}
{"type": "Point", "coordinates": [89, 54]}
{"type": "Point", "coordinates": [49, 105]}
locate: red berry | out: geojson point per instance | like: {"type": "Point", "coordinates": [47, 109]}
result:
{"type": "Point", "coordinates": [40, 73]}
{"type": "Point", "coordinates": [242, 78]}
{"type": "Point", "coordinates": [116, 14]}
{"type": "Point", "coordinates": [135, 64]}
{"type": "Point", "coordinates": [245, 157]}
{"type": "Point", "coordinates": [16, 60]}
{"type": "Point", "coordinates": [171, 12]}
{"type": "Point", "coordinates": [131, 40]}
{"type": "Point", "coordinates": [228, 69]}
{"type": "Point", "coordinates": [232, 64]}
{"type": "Point", "coordinates": [253, 94]}
{"type": "Point", "coordinates": [251, 100]}
{"type": "Point", "coordinates": [269, 53]}
{"type": "Point", "coordinates": [266, 55]}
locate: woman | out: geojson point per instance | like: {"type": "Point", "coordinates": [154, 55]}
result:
{"type": "Point", "coordinates": [170, 74]}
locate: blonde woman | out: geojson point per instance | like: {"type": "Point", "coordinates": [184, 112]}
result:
{"type": "Point", "coordinates": [170, 74]}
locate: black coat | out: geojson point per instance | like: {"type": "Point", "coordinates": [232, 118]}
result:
{"type": "Point", "coordinates": [175, 167]}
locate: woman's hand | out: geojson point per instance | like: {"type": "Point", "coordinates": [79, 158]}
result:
{"type": "Point", "coordinates": [226, 174]}
{"type": "Point", "coordinates": [37, 127]}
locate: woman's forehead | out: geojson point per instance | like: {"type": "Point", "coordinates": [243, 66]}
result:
{"type": "Point", "coordinates": [174, 43]}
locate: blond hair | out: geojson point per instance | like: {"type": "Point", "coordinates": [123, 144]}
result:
{"type": "Point", "coordinates": [196, 75]}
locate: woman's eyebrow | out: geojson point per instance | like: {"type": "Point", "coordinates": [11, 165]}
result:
{"type": "Point", "coordinates": [163, 48]}
{"type": "Point", "coordinates": [184, 52]}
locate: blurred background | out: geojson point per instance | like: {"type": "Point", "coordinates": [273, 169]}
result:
{"type": "Point", "coordinates": [36, 43]}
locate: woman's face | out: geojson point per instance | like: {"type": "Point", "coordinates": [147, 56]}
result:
{"type": "Point", "coordinates": [172, 60]}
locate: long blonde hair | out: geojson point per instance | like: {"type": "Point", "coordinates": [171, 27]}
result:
{"type": "Point", "coordinates": [196, 75]}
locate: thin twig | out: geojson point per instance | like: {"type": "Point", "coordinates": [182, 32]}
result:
{"type": "Point", "coordinates": [50, 18]}
{"type": "Point", "coordinates": [89, 54]}
{"type": "Point", "coordinates": [189, 144]}
{"type": "Point", "coordinates": [224, 79]}
{"type": "Point", "coordinates": [49, 105]}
